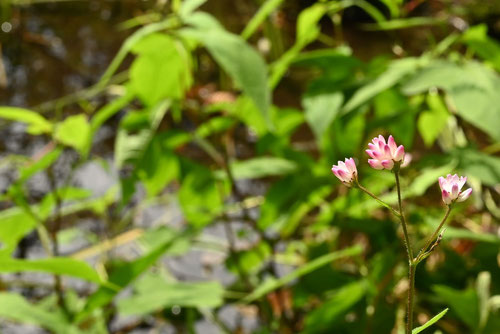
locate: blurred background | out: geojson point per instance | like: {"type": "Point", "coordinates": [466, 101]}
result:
{"type": "Point", "coordinates": [165, 165]}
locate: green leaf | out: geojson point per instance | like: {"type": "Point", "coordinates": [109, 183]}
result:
{"type": "Point", "coordinates": [161, 69]}
{"type": "Point", "coordinates": [56, 265]}
{"type": "Point", "coordinates": [14, 225]}
{"type": "Point", "coordinates": [484, 167]}
{"type": "Point", "coordinates": [465, 303]}
{"type": "Point", "coordinates": [15, 308]}
{"type": "Point", "coordinates": [189, 6]}
{"type": "Point", "coordinates": [41, 164]}
{"type": "Point", "coordinates": [37, 124]}
{"type": "Point", "coordinates": [321, 110]}
{"type": "Point", "coordinates": [430, 322]}
{"type": "Point", "coordinates": [74, 131]}
{"type": "Point", "coordinates": [405, 23]}
{"type": "Point", "coordinates": [262, 167]}
{"type": "Point", "coordinates": [274, 284]}
{"type": "Point", "coordinates": [431, 122]}
{"type": "Point", "coordinates": [321, 318]}
{"type": "Point", "coordinates": [471, 86]}
{"type": "Point", "coordinates": [487, 48]}
{"type": "Point", "coordinates": [264, 11]}
{"type": "Point", "coordinates": [243, 64]}
{"type": "Point", "coordinates": [155, 293]}
{"type": "Point", "coordinates": [398, 70]}
{"type": "Point", "coordinates": [199, 197]}
{"type": "Point", "coordinates": [136, 132]}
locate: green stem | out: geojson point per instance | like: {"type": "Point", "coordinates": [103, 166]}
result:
{"type": "Point", "coordinates": [411, 263]}
{"type": "Point", "coordinates": [381, 202]}
{"type": "Point", "coordinates": [435, 234]}
{"type": "Point", "coordinates": [411, 296]}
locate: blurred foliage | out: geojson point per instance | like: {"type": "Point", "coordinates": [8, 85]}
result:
{"type": "Point", "coordinates": [242, 129]}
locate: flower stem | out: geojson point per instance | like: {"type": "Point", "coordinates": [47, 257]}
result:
{"type": "Point", "coordinates": [411, 262]}
{"type": "Point", "coordinates": [396, 213]}
{"type": "Point", "coordinates": [434, 235]}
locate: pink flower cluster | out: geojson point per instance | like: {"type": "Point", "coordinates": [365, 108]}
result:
{"type": "Point", "coordinates": [387, 154]}
{"type": "Point", "coordinates": [451, 187]}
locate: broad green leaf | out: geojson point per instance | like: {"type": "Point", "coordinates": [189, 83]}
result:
{"type": "Point", "coordinates": [321, 110]}
{"type": "Point", "coordinates": [430, 322]}
{"type": "Point", "coordinates": [321, 318]}
{"type": "Point", "coordinates": [37, 124]}
{"type": "Point", "coordinates": [74, 131]}
{"type": "Point", "coordinates": [161, 69]}
{"type": "Point", "coordinates": [471, 86]}
{"type": "Point", "coordinates": [264, 11]}
{"type": "Point", "coordinates": [56, 265]}
{"type": "Point", "coordinates": [157, 293]}
{"type": "Point", "coordinates": [398, 70]}
{"type": "Point", "coordinates": [480, 165]}
{"type": "Point", "coordinates": [243, 64]}
{"type": "Point", "coordinates": [465, 303]}
{"type": "Point", "coordinates": [262, 167]}
{"type": "Point", "coordinates": [15, 308]}
{"type": "Point", "coordinates": [431, 122]}
{"type": "Point", "coordinates": [15, 223]}
{"type": "Point", "coordinates": [274, 284]}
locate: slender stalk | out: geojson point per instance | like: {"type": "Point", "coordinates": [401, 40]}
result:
{"type": "Point", "coordinates": [381, 202]}
{"type": "Point", "coordinates": [402, 218]}
{"type": "Point", "coordinates": [411, 263]}
{"type": "Point", "coordinates": [435, 234]}
{"type": "Point", "coordinates": [411, 296]}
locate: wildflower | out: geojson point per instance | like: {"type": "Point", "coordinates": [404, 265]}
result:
{"type": "Point", "coordinates": [383, 154]}
{"type": "Point", "coordinates": [406, 160]}
{"type": "Point", "coordinates": [346, 172]}
{"type": "Point", "coordinates": [451, 188]}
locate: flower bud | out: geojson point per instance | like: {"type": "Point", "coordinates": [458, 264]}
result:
{"type": "Point", "coordinates": [451, 189]}
{"type": "Point", "coordinates": [346, 171]}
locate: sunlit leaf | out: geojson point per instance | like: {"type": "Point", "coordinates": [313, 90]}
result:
{"type": "Point", "coordinates": [37, 124]}
{"type": "Point", "coordinates": [74, 131]}
{"type": "Point", "coordinates": [430, 322]}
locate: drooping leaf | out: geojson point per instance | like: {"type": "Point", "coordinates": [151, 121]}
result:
{"type": "Point", "coordinates": [14, 225]}
{"type": "Point", "coordinates": [37, 124]}
{"type": "Point", "coordinates": [56, 265]}
{"type": "Point", "coordinates": [430, 322]}
{"type": "Point", "coordinates": [262, 167]}
{"type": "Point", "coordinates": [432, 122]}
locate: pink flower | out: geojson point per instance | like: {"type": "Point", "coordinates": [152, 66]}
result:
{"type": "Point", "coordinates": [346, 172]}
{"type": "Point", "coordinates": [383, 154]}
{"type": "Point", "coordinates": [451, 186]}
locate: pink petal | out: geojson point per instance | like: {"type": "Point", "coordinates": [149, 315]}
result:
{"type": "Point", "coordinates": [351, 165]}
{"type": "Point", "coordinates": [381, 138]}
{"type": "Point", "coordinates": [387, 151]}
{"type": "Point", "coordinates": [441, 181]}
{"type": "Point", "coordinates": [392, 144]}
{"type": "Point", "coordinates": [400, 153]}
{"type": "Point", "coordinates": [388, 164]}
{"type": "Point", "coordinates": [464, 195]}
{"type": "Point", "coordinates": [370, 153]}
{"type": "Point", "coordinates": [446, 197]}
{"type": "Point", "coordinates": [454, 191]}
{"type": "Point", "coordinates": [375, 164]}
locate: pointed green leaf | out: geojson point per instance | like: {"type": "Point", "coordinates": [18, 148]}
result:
{"type": "Point", "coordinates": [430, 322]}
